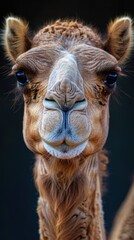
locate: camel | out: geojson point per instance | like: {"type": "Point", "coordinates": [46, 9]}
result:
{"type": "Point", "coordinates": [67, 72]}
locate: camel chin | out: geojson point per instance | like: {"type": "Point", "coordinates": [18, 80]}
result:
{"type": "Point", "coordinates": [64, 151]}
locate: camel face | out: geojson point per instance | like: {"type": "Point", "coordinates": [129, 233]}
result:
{"type": "Point", "coordinates": [71, 96]}
{"type": "Point", "coordinates": [68, 125]}
{"type": "Point", "coordinates": [67, 74]}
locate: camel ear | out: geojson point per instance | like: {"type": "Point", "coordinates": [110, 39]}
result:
{"type": "Point", "coordinates": [15, 37]}
{"type": "Point", "coordinates": [119, 38]}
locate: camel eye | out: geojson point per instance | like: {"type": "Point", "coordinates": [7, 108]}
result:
{"type": "Point", "coordinates": [22, 78]}
{"type": "Point", "coordinates": [111, 79]}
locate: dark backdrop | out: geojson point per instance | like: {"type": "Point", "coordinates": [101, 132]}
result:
{"type": "Point", "coordinates": [18, 195]}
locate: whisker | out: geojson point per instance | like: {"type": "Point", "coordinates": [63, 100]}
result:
{"type": "Point", "coordinates": [126, 94]}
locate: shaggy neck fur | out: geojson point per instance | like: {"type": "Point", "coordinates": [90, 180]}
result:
{"type": "Point", "coordinates": [70, 204]}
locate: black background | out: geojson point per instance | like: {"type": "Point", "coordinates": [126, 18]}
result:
{"type": "Point", "coordinates": [18, 195]}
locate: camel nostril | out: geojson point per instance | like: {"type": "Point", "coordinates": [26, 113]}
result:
{"type": "Point", "coordinates": [80, 101]}
{"type": "Point", "coordinates": [47, 99]}
{"type": "Point", "coordinates": [66, 107]}
{"type": "Point", "coordinates": [50, 104]}
{"type": "Point", "coordinates": [80, 105]}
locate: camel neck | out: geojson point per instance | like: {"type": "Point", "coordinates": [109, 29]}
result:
{"type": "Point", "coordinates": [70, 209]}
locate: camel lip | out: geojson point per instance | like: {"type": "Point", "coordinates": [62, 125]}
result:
{"type": "Point", "coordinates": [64, 151]}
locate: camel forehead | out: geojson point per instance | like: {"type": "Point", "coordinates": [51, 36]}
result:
{"type": "Point", "coordinates": [86, 55]}
{"type": "Point", "coordinates": [66, 32]}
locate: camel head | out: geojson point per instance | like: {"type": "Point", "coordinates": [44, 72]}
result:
{"type": "Point", "coordinates": [67, 72]}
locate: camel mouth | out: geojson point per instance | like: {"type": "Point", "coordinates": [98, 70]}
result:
{"type": "Point", "coordinates": [65, 133]}
{"type": "Point", "coordinates": [65, 151]}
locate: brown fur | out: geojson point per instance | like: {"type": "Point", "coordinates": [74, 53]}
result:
{"type": "Point", "coordinates": [123, 227]}
{"type": "Point", "coordinates": [67, 196]}
{"type": "Point", "coordinates": [61, 31]}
